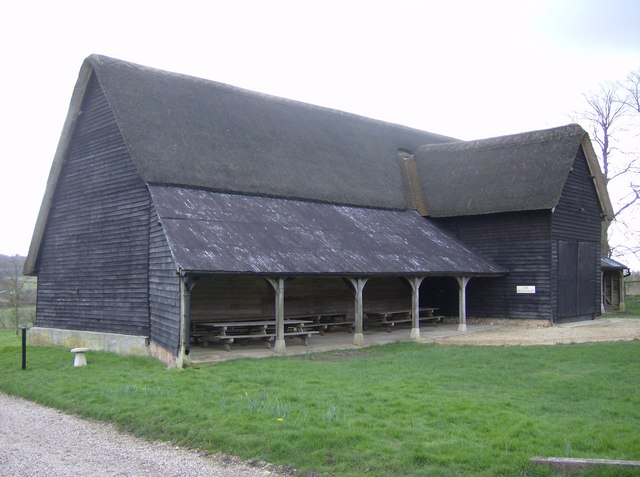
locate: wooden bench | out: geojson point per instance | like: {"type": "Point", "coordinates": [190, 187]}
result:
{"type": "Point", "coordinates": [268, 338]}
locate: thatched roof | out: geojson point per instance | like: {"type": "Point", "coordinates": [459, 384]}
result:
{"type": "Point", "coordinates": [188, 131]}
{"type": "Point", "coordinates": [229, 233]}
{"type": "Point", "coordinates": [519, 172]}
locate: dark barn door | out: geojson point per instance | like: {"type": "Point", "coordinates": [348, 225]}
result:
{"type": "Point", "coordinates": [576, 280]}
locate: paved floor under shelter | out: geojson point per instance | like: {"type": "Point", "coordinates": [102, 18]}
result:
{"type": "Point", "coordinates": [331, 340]}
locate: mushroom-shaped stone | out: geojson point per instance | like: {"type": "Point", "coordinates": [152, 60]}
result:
{"type": "Point", "coordinates": [80, 359]}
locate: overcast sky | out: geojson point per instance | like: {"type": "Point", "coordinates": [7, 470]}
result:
{"type": "Point", "coordinates": [466, 69]}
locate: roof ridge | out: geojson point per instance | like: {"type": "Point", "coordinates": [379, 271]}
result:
{"type": "Point", "coordinates": [99, 60]}
{"type": "Point", "coordinates": [528, 137]}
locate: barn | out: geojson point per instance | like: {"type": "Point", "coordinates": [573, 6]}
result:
{"type": "Point", "coordinates": [175, 201]}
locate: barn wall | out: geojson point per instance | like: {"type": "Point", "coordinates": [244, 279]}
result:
{"type": "Point", "coordinates": [164, 290]}
{"type": "Point", "coordinates": [518, 241]}
{"type": "Point", "coordinates": [576, 228]}
{"type": "Point", "coordinates": [93, 262]}
{"type": "Point", "coordinates": [241, 297]}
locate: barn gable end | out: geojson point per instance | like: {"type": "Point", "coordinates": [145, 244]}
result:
{"type": "Point", "coordinates": [575, 235]}
{"type": "Point", "coordinates": [533, 203]}
{"type": "Point", "coordinates": [93, 259]}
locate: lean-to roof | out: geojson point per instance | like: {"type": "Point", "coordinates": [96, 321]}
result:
{"type": "Point", "coordinates": [214, 232]}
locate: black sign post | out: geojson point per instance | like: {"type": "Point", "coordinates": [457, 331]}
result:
{"type": "Point", "coordinates": [24, 348]}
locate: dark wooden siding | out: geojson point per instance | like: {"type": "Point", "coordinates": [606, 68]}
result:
{"type": "Point", "coordinates": [164, 289]}
{"type": "Point", "coordinates": [576, 225]}
{"type": "Point", "coordinates": [518, 241]}
{"type": "Point", "coordinates": [93, 263]}
{"type": "Point", "coordinates": [238, 297]}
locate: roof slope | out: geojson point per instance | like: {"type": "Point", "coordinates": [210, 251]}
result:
{"type": "Point", "coordinates": [229, 233]}
{"type": "Point", "coordinates": [510, 173]}
{"type": "Point", "coordinates": [188, 131]}
{"type": "Point", "coordinates": [607, 263]}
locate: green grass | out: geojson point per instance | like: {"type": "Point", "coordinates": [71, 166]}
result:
{"type": "Point", "coordinates": [632, 308]}
{"type": "Point", "coordinates": [402, 409]}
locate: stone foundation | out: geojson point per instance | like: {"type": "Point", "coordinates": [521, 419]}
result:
{"type": "Point", "coordinates": [95, 341]}
{"type": "Point", "coordinates": [161, 354]}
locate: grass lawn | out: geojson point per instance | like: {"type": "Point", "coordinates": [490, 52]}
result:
{"type": "Point", "coordinates": [632, 308]}
{"type": "Point", "coordinates": [401, 409]}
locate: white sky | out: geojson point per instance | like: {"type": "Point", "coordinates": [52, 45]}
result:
{"type": "Point", "coordinates": [467, 69]}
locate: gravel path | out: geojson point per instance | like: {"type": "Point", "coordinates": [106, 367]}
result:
{"type": "Point", "coordinates": [605, 329]}
{"type": "Point", "coordinates": [39, 441]}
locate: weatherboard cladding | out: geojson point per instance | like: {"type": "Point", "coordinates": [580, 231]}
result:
{"type": "Point", "coordinates": [519, 242]}
{"type": "Point", "coordinates": [229, 233]}
{"type": "Point", "coordinates": [576, 227]}
{"type": "Point", "coordinates": [93, 259]}
{"type": "Point", "coordinates": [232, 297]}
{"type": "Point", "coordinates": [164, 289]}
{"type": "Point", "coordinates": [187, 131]}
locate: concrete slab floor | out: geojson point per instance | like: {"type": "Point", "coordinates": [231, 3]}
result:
{"type": "Point", "coordinates": [330, 341]}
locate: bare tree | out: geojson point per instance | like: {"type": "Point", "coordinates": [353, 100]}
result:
{"type": "Point", "coordinates": [14, 282]}
{"type": "Point", "coordinates": [611, 113]}
{"type": "Point", "coordinates": [632, 86]}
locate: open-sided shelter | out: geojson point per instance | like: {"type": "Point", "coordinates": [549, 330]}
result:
{"type": "Point", "coordinates": [174, 199]}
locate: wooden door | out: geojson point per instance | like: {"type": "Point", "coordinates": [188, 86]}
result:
{"type": "Point", "coordinates": [577, 279]}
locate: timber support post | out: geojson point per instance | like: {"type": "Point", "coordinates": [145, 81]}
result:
{"type": "Point", "coordinates": [186, 285]}
{"type": "Point", "coordinates": [415, 283]}
{"type": "Point", "coordinates": [358, 285]}
{"type": "Point", "coordinates": [278, 287]}
{"type": "Point", "coordinates": [462, 302]}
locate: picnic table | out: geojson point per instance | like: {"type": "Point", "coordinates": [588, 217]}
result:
{"type": "Point", "coordinates": [325, 321]}
{"type": "Point", "coordinates": [229, 332]}
{"type": "Point", "coordinates": [391, 318]}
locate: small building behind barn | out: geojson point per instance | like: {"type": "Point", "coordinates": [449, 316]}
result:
{"type": "Point", "coordinates": [613, 290]}
{"type": "Point", "coordinates": [174, 200]}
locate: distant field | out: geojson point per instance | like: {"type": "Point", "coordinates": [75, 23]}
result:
{"type": "Point", "coordinates": [27, 315]}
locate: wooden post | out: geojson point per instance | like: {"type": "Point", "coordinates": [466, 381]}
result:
{"type": "Point", "coordinates": [415, 283]}
{"type": "Point", "coordinates": [186, 285]}
{"type": "Point", "coordinates": [603, 294]}
{"type": "Point", "coordinates": [358, 285]}
{"type": "Point", "coordinates": [622, 290]}
{"type": "Point", "coordinates": [278, 287]}
{"type": "Point", "coordinates": [462, 302]}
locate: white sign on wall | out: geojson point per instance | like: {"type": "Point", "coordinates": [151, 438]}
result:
{"type": "Point", "coordinates": [526, 289]}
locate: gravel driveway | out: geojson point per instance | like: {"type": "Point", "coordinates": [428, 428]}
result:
{"type": "Point", "coordinates": [605, 329]}
{"type": "Point", "coordinates": [38, 441]}
{"type": "Point", "coordinates": [41, 442]}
